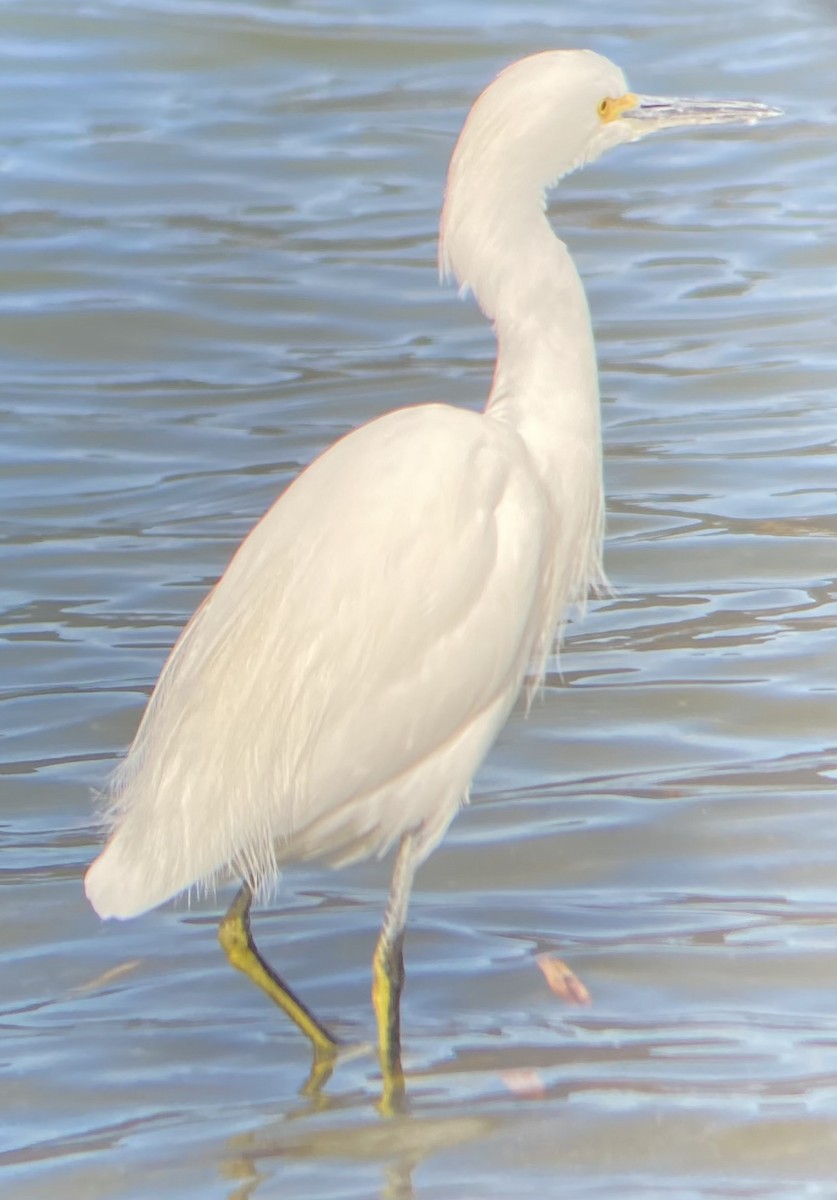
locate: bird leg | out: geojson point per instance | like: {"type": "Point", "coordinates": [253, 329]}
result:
{"type": "Point", "coordinates": [388, 974]}
{"type": "Point", "coordinates": [240, 949]}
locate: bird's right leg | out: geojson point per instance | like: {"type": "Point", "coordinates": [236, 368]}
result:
{"type": "Point", "coordinates": [240, 949]}
{"type": "Point", "coordinates": [388, 973]}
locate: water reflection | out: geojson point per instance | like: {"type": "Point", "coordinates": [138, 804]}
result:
{"type": "Point", "coordinates": [397, 1147]}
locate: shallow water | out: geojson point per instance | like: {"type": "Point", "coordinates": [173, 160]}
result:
{"type": "Point", "coordinates": [218, 225]}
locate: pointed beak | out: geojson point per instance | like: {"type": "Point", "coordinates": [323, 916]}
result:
{"type": "Point", "coordinates": [664, 112]}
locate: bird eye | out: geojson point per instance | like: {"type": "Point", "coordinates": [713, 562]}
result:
{"type": "Point", "coordinates": [604, 107]}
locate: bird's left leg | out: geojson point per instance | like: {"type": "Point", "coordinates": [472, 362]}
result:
{"type": "Point", "coordinates": [388, 971]}
{"type": "Point", "coordinates": [241, 951]}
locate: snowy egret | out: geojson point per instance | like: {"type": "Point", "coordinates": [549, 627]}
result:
{"type": "Point", "coordinates": [335, 692]}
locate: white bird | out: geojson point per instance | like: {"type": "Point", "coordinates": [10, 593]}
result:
{"type": "Point", "coordinates": [335, 692]}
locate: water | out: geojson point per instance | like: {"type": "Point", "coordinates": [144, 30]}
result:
{"type": "Point", "coordinates": [218, 225]}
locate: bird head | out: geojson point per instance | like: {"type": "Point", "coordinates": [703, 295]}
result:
{"type": "Point", "coordinates": [545, 116]}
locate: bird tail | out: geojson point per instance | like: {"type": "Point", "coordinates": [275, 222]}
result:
{"type": "Point", "coordinates": [116, 888]}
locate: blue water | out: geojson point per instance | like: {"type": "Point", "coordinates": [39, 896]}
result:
{"type": "Point", "coordinates": [218, 226]}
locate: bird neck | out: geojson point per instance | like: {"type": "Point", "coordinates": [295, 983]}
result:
{"type": "Point", "coordinates": [545, 378]}
{"type": "Point", "coordinates": [546, 385]}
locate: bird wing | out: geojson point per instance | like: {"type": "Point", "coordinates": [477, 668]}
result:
{"type": "Point", "coordinates": [391, 596]}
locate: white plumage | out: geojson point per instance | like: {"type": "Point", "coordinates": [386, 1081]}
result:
{"type": "Point", "coordinates": [355, 692]}
{"type": "Point", "coordinates": [336, 691]}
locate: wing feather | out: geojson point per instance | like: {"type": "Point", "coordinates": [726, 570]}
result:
{"type": "Point", "coordinates": [388, 601]}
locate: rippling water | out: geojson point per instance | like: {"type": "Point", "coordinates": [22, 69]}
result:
{"type": "Point", "coordinates": [218, 224]}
